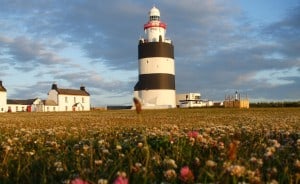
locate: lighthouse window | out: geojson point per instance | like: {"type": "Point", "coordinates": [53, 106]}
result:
{"type": "Point", "coordinates": [154, 18]}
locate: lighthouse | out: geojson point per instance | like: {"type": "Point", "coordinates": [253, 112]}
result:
{"type": "Point", "coordinates": [156, 81]}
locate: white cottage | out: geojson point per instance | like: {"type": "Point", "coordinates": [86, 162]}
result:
{"type": "Point", "coordinates": [67, 99]}
{"type": "Point", "coordinates": [190, 100]}
{"type": "Point", "coordinates": [29, 105]}
{"type": "Point", "coordinates": [3, 98]}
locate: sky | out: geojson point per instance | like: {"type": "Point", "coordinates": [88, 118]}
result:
{"type": "Point", "coordinates": [221, 46]}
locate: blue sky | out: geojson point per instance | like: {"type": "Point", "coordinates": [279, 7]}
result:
{"type": "Point", "coordinates": [220, 47]}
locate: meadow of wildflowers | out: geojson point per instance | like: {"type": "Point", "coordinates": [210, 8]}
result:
{"type": "Point", "coordinates": [151, 146]}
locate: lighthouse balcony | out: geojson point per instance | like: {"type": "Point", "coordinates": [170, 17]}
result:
{"type": "Point", "coordinates": [168, 41]}
{"type": "Point", "coordinates": [155, 24]}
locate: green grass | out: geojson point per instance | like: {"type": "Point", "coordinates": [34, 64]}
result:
{"type": "Point", "coordinates": [217, 145]}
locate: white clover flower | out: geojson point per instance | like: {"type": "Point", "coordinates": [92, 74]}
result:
{"type": "Point", "coordinates": [170, 174]}
{"type": "Point", "coordinates": [210, 163]}
{"type": "Point", "coordinates": [59, 169]}
{"type": "Point", "coordinates": [140, 144]}
{"type": "Point", "coordinates": [9, 141]}
{"type": "Point", "coordinates": [15, 139]}
{"type": "Point", "coordinates": [7, 148]}
{"type": "Point", "coordinates": [102, 181]}
{"type": "Point", "coordinates": [57, 164]}
{"type": "Point", "coordinates": [275, 143]}
{"type": "Point", "coordinates": [170, 163]}
{"type": "Point", "coordinates": [98, 162]}
{"type": "Point", "coordinates": [273, 182]}
{"type": "Point", "coordinates": [197, 161]}
{"type": "Point", "coordinates": [137, 164]}
{"type": "Point", "coordinates": [253, 159]}
{"type": "Point", "coordinates": [236, 170]}
{"type": "Point", "coordinates": [86, 147]}
{"type": "Point", "coordinates": [253, 176]}
{"type": "Point", "coordinates": [100, 142]}
{"type": "Point", "coordinates": [66, 181]}
{"type": "Point", "coordinates": [31, 153]}
{"type": "Point", "coordinates": [122, 174]}
{"type": "Point", "coordinates": [297, 164]}
{"type": "Point", "coordinates": [105, 151]}
{"type": "Point", "coordinates": [118, 147]}
{"type": "Point", "coordinates": [221, 145]}
{"type": "Point", "coordinates": [270, 151]}
{"type": "Point", "coordinates": [192, 141]}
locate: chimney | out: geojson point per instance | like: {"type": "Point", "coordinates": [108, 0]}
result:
{"type": "Point", "coordinates": [82, 88]}
{"type": "Point", "coordinates": [54, 86]}
{"type": "Point", "coordinates": [2, 88]}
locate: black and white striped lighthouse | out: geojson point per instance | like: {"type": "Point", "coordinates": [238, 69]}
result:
{"type": "Point", "coordinates": [156, 84]}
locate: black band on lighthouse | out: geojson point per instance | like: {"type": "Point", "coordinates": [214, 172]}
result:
{"type": "Point", "coordinates": [155, 81]}
{"type": "Point", "coordinates": [156, 49]}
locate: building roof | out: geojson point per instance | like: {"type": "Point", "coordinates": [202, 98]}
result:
{"type": "Point", "coordinates": [72, 92]}
{"type": "Point", "coordinates": [2, 88]}
{"type": "Point", "coordinates": [21, 102]}
{"type": "Point", "coordinates": [80, 92]}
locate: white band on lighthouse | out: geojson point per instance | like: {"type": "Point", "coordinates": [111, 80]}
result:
{"type": "Point", "coordinates": [156, 84]}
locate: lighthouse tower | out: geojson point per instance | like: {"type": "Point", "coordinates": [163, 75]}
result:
{"type": "Point", "coordinates": [156, 84]}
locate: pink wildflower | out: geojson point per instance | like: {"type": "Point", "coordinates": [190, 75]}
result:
{"type": "Point", "coordinates": [121, 180]}
{"type": "Point", "coordinates": [193, 134]}
{"type": "Point", "coordinates": [186, 175]}
{"type": "Point", "coordinates": [78, 181]}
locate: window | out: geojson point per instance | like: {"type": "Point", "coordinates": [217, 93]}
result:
{"type": "Point", "coordinates": [47, 108]}
{"type": "Point", "coordinates": [82, 99]}
{"type": "Point", "coordinates": [53, 108]}
{"type": "Point", "coordinates": [66, 108]}
{"type": "Point", "coordinates": [16, 108]}
{"type": "Point", "coordinates": [66, 99]}
{"type": "Point", "coordinates": [154, 17]}
{"type": "Point", "coordinates": [74, 99]}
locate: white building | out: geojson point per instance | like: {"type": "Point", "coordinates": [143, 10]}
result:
{"type": "Point", "coordinates": [67, 99]}
{"type": "Point", "coordinates": [190, 100]}
{"type": "Point", "coordinates": [3, 97]}
{"type": "Point", "coordinates": [58, 100]}
{"type": "Point", "coordinates": [29, 105]}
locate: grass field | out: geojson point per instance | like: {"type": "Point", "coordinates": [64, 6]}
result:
{"type": "Point", "coordinates": [157, 146]}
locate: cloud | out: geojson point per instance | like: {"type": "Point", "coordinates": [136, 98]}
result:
{"type": "Point", "coordinates": [36, 90]}
{"type": "Point", "coordinates": [29, 54]}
